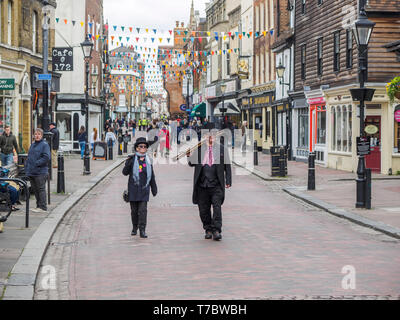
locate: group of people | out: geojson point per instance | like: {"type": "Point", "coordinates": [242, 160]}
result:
{"type": "Point", "coordinates": [212, 175]}
{"type": "Point", "coordinates": [36, 165]}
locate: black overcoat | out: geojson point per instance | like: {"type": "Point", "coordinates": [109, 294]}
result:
{"type": "Point", "coordinates": [137, 192]}
{"type": "Point", "coordinates": [224, 171]}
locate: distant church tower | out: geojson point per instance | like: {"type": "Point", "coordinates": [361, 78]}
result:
{"type": "Point", "coordinates": [192, 22]}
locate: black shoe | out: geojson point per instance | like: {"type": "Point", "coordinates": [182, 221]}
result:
{"type": "Point", "coordinates": [208, 235]}
{"type": "Point", "coordinates": [217, 236]}
{"type": "Point", "coordinates": [143, 234]}
{"type": "Point", "coordinates": [134, 232]}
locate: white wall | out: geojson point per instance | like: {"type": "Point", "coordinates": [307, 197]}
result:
{"type": "Point", "coordinates": [68, 35]}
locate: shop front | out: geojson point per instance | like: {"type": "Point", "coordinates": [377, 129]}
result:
{"type": "Point", "coordinates": [380, 126]}
{"type": "Point", "coordinates": [284, 126]}
{"type": "Point", "coordinates": [69, 119]}
{"type": "Point", "coordinates": [300, 122]}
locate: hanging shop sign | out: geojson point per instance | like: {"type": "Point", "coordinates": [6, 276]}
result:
{"type": "Point", "coordinates": [63, 59]}
{"type": "Point", "coordinates": [7, 84]}
{"type": "Point", "coordinates": [371, 129]}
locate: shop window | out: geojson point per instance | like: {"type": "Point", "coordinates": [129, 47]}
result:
{"type": "Point", "coordinates": [6, 110]}
{"type": "Point", "coordinates": [303, 128]}
{"type": "Point", "coordinates": [9, 22]}
{"type": "Point", "coordinates": [64, 125]}
{"type": "Point", "coordinates": [342, 127]}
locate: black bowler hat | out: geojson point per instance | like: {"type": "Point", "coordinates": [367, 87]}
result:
{"type": "Point", "coordinates": [140, 140]}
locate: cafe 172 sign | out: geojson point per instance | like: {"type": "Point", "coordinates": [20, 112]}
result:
{"type": "Point", "coordinates": [63, 59]}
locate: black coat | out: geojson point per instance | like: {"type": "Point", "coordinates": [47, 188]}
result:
{"type": "Point", "coordinates": [37, 162]}
{"type": "Point", "coordinates": [137, 192]}
{"type": "Point", "coordinates": [224, 171]}
{"type": "Point", "coordinates": [56, 138]}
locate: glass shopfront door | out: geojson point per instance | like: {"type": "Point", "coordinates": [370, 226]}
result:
{"type": "Point", "coordinates": [373, 130]}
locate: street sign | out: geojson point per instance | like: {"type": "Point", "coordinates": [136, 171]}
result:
{"type": "Point", "coordinates": [183, 107]}
{"type": "Point", "coordinates": [44, 77]}
{"type": "Point", "coordinates": [363, 146]}
{"type": "Point", "coordinates": [7, 84]}
{"type": "Point", "coordinates": [63, 59]}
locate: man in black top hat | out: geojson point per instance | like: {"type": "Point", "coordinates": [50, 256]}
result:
{"type": "Point", "coordinates": [56, 144]}
{"type": "Point", "coordinates": [212, 174]}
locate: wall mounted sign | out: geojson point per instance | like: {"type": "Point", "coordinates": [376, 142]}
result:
{"type": "Point", "coordinates": [320, 100]}
{"type": "Point", "coordinates": [397, 115]}
{"type": "Point", "coordinates": [7, 84]}
{"type": "Point", "coordinates": [63, 59]}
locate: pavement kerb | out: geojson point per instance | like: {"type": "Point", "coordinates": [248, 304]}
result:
{"type": "Point", "coordinates": [341, 213]}
{"type": "Point", "coordinates": [21, 283]}
{"type": "Point", "coordinates": [260, 174]}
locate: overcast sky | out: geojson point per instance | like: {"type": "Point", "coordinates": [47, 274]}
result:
{"type": "Point", "coordinates": [153, 14]}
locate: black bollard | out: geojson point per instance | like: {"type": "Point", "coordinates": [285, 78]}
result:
{"type": "Point", "coordinates": [110, 152]}
{"type": "Point", "coordinates": [368, 187]}
{"type": "Point", "coordinates": [60, 174]}
{"type": "Point", "coordinates": [255, 154]}
{"type": "Point", "coordinates": [311, 171]}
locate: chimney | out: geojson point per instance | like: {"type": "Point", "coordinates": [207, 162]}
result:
{"type": "Point", "coordinates": [182, 24]}
{"type": "Point", "coordinates": [177, 24]}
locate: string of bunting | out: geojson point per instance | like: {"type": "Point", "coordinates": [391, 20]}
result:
{"type": "Point", "coordinates": [193, 34]}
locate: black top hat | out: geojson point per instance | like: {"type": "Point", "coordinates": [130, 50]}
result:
{"type": "Point", "coordinates": [140, 140]}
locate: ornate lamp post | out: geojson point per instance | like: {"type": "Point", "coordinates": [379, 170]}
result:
{"type": "Point", "coordinates": [362, 30]}
{"type": "Point", "coordinates": [87, 47]}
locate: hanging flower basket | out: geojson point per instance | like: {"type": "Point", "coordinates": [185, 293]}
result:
{"type": "Point", "coordinates": [393, 89]}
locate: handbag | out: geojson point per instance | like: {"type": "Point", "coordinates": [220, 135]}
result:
{"type": "Point", "coordinates": [125, 195]}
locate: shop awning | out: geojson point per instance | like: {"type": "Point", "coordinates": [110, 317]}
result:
{"type": "Point", "coordinates": [230, 105]}
{"type": "Point", "coordinates": [199, 110]}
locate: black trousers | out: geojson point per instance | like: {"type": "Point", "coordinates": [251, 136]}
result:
{"type": "Point", "coordinates": [139, 214]}
{"type": "Point", "coordinates": [210, 197]}
{"type": "Point", "coordinates": [38, 184]}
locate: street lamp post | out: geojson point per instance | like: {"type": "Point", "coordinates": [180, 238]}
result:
{"type": "Point", "coordinates": [362, 30]}
{"type": "Point", "coordinates": [223, 109]}
{"type": "Point", "coordinates": [87, 47]}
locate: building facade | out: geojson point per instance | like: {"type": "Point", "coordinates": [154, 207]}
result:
{"type": "Point", "coordinates": [21, 60]}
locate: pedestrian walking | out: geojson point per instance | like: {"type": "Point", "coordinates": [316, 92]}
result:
{"type": "Point", "coordinates": [110, 138]}
{"type": "Point", "coordinates": [36, 168]}
{"type": "Point", "coordinates": [8, 145]}
{"type": "Point", "coordinates": [141, 181]}
{"type": "Point", "coordinates": [55, 144]}
{"type": "Point", "coordinates": [163, 137]}
{"type": "Point", "coordinates": [82, 140]}
{"type": "Point", "coordinates": [244, 136]}
{"type": "Point", "coordinates": [94, 138]}
{"type": "Point", "coordinates": [133, 128]}
{"type": "Point", "coordinates": [211, 177]}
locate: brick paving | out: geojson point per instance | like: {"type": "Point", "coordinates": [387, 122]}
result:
{"type": "Point", "coordinates": [338, 188]}
{"type": "Point", "coordinates": [274, 247]}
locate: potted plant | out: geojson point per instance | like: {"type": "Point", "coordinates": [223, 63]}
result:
{"type": "Point", "coordinates": [393, 89]}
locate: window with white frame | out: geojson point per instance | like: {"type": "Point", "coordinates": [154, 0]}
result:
{"type": "Point", "coordinates": [257, 18]}
{"type": "Point", "coordinates": [34, 31]}
{"type": "Point", "coordinates": [262, 71]}
{"type": "Point", "coordinates": [303, 127]}
{"type": "Point", "coordinates": [271, 14]}
{"type": "Point", "coordinates": [342, 126]}
{"type": "Point", "coordinates": [257, 69]}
